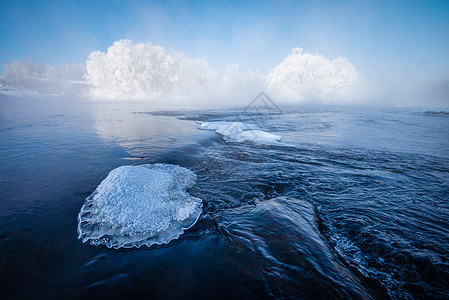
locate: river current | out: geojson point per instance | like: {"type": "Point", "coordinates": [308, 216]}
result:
{"type": "Point", "coordinates": [352, 203]}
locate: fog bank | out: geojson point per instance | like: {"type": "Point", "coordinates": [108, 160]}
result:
{"type": "Point", "coordinates": [130, 71]}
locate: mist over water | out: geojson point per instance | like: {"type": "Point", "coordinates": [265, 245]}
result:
{"type": "Point", "coordinates": [38, 78]}
{"type": "Point", "coordinates": [171, 79]}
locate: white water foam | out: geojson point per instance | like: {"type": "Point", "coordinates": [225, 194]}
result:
{"type": "Point", "coordinates": [139, 205]}
{"type": "Point", "coordinates": [239, 132]}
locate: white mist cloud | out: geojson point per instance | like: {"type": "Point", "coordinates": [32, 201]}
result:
{"type": "Point", "coordinates": [17, 70]}
{"type": "Point", "coordinates": [41, 78]}
{"type": "Point", "coordinates": [304, 77]}
{"type": "Point", "coordinates": [436, 91]}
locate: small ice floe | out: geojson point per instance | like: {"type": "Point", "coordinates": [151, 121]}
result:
{"type": "Point", "coordinates": [433, 112]}
{"type": "Point", "coordinates": [240, 132]}
{"type": "Point", "coordinates": [139, 205]}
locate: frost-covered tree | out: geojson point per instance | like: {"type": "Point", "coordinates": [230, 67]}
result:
{"type": "Point", "coordinates": [303, 76]}
{"type": "Point", "coordinates": [130, 70]}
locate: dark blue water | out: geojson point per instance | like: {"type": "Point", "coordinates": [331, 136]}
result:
{"type": "Point", "coordinates": [354, 205]}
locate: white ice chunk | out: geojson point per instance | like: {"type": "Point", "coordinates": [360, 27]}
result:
{"type": "Point", "coordinates": [240, 132]}
{"type": "Point", "coordinates": [139, 205]}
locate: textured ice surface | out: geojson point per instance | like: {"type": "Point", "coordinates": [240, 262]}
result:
{"type": "Point", "coordinates": [139, 205]}
{"type": "Point", "coordinates": [240, 132]}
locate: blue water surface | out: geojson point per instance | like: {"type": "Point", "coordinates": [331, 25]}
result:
{"type": "Point", "coordinates": [354, 203]}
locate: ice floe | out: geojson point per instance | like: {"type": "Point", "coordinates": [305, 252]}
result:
{"type": "Point", "coordinates": [139, 205]}
{"type": "Point", "coordinates": [240, 132]}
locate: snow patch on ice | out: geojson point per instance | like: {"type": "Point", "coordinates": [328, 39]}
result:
{"type": "Point", "coordinates": [139, 205]}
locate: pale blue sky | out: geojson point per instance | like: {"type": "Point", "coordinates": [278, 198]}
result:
{"type": "Point", "coordinates": [383, 39]}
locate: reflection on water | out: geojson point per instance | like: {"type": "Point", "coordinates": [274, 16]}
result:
{"type": "Point", "coordinates": [141, 133]}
